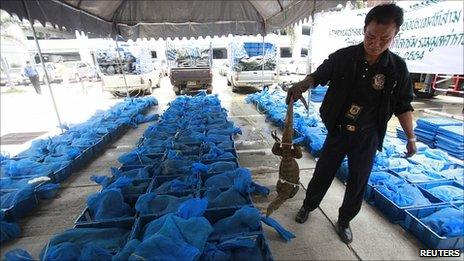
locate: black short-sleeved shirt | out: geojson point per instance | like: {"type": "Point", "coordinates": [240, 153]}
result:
{"type": "Point", "coordinates": [340, 71]}
{"type": "Point", "coordinates": [365, 94]}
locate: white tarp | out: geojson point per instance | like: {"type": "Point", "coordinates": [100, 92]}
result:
{"type": "Point", "coordinates": [430, 40]}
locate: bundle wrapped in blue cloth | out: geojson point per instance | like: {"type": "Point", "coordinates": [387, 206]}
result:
{"type": "Point", "coordinates": [419, 173]}
{"type": "Point", "coordinates": [447, 193]}
{"type": "Point", "coordinates": [178, 184]}
{"type": "Point", "coordinates": [8, 230]}
{"type": "Point", "coordinates": [446, 222]}
{"type": "Point", "coordinates": [151, 203]}
{"type": "Point", "coordinates": [140, 173]}
{"type": "Point", "coordinates": [240, 177]}
{"type": "Point", "coordinates": [404, 195]}
{"type": "Point", "coordinates": [108, 204]}
{"type": "Point", "coordinates": [378, 178]}
{"type": "Point", "coordinates": [85, 244]}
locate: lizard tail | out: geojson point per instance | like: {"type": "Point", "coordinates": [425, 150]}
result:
{"type": "Point", "coordinates": [275, 204]}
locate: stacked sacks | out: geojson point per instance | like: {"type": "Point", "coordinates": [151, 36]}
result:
{"type": "Point", "coordinates": [427, 128]}
{"type": "Point", "coordinates": [450, 139]}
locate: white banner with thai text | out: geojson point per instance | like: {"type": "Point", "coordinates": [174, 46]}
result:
{"type": "Point", "coordinates": [431, 39]}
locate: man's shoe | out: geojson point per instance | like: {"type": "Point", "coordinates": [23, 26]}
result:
{"type": "Point", "coordinates": [345, 233]}
{"type": "Point", "coordinates": [302, 215]}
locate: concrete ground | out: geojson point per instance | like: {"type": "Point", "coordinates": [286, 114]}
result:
{"type": "Point", "coordinates": [374, 237]}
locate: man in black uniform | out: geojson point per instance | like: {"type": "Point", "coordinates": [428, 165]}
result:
{"type": "Point", "coordinates": [367, 84]}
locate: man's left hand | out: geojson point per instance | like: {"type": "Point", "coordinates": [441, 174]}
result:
{"type": "Point", "coordinates": [411, 148]}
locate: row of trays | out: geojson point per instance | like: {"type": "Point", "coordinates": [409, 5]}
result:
{"type": "Point", "coordinates": [136, 221]}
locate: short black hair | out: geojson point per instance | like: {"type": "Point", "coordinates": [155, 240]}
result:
{"type": "Point", "coordinates": [385, 14]}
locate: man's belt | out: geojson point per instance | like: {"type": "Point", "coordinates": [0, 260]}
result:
{"type": "Point", "coordinates": [347, 127]}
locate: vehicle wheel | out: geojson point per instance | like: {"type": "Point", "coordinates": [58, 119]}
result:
{"type": "Point", "coordinates": [177, 92]}
{"type": "Point", "coordinates": [209, 91]}
{"type": "Point", "coordinates": [234, 89]}
{"type": "Point", "coordinates": [228, 83]}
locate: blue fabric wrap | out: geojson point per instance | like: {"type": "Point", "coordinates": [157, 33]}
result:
{"type": "Point", "coordinates": [141, 173]}
{"type": "Point", "coordinates": [108, 204]}
{"type": "Point", "coordinates": [171, 237]}
{"type": "Point", "coordinates": [47, 191]}
{"type": "Point", "coordinates": [151, 203]}
{"type": "Point", "coordinates": [447, 193]}
{"type": "Point", "coordinates": [128, 249]}
{"type": "Point", "coordinates": [8, 231]}
{"type": "Point", "coordinates": [69, 244]}
{"type": "Point", "coordinates": [10, 199]}
{"type": "Point", "coordinates": [246, 219]}
{"type": "Point", "coordinates": [18, 255]}
{"type": "Point", "coordinates": [221, 166]}
{"type": "Point", "coordinates": [194, 207]}
{"type": "Point", "coordinates": [446, 222]}
{"type": "Point", "coordinates": [178, 184]}
{"type": "Point", "coordinates": [404, 195]}
{"type": "Point", "coordinates": [285, 234]}
{"type": "Point", "coordinates": [230, 197]}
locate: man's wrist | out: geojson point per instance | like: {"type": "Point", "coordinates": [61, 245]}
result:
{"type": "Point", "coordinates": [412, 140]}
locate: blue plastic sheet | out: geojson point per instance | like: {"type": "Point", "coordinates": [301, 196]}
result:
{"type": "Point", "coordinates": [446, 222]}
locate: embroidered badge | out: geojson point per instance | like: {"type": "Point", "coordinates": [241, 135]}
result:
{"type": "Point", "coordinates": [353, 112]}
{"type": "Point", "coordinates": [378, 82]}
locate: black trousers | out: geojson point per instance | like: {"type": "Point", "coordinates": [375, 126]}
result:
{"type": "Point", "coordinates": [36, 83]}
{"type": "Point", "coordinates": [360, 147]}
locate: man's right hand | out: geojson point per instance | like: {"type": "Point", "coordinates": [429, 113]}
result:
{"type": "Point", "coordinates": [295, 91]}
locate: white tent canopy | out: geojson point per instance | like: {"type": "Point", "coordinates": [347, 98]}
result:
{"type": "Point", "coordinates": [162, 19]}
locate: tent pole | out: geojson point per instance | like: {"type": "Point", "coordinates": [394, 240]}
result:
{"type": "Point", "coordinates": [262, 68]}
{"type": "Point", "coordinates": [122, 69]}
{"type": "Point", "coordinates": [43, 66]}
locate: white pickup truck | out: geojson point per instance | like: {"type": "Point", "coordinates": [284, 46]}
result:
{"type": "Point", "coordinates": [246, 65]}
{"type": "Point", "coordinates": [238, 79]}
{"type": "Point", "coordinates": [137, 84]}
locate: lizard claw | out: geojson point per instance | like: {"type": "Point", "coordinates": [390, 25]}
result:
{"type": "Point", "coordinates": [274, 135]}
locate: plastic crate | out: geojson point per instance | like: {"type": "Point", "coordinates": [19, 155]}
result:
{"type": "Point", "coordinates": [85, 217]}
{"type": "Point", "coordinates": [425, 234]}
{"type": "Point", "coordinates": [260, 251]}
{"type": "Point", "coordinates": [125, 224]}
{"type": "Point", "coordinates": [62, 174]}
{"type": "Point", "coordinates": [426, 186]}
{"type": "Point", "coordinates": [21, 208]}
{"type": "Point", "coordinates": [393, 212]}
{"type": "Point", "coordinates": [213, 215]}
{"type": "Point", "coordinates": [397, 172]}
